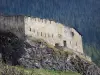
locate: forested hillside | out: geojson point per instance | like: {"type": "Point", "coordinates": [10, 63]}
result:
{"type": "Point", "coordinates": [83, 15]}
{"type": "Point", "coordinates": [93, 52]}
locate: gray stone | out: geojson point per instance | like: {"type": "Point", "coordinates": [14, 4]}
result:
{"type": "Point", "coordinates": [47, 58]}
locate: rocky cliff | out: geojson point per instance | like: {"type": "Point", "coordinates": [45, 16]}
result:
{"type": "Point", "coordinates": [38, 54]}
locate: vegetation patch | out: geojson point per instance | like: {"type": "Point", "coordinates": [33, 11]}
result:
{"type": "Point", "coordinates": [16, 70]}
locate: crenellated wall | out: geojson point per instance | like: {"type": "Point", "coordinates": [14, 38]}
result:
{"type": "Point", "coordinates": [44, 29]}
{"type": "Point", "coordinates": [52, 32]}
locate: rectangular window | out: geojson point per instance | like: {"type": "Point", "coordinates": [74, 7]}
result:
{"type": "Point", "coordinates": [70, 42]}
{"type": "Point", "coordinates": [76, 43]}
{"type": "Point", "coordinates": [41, 33]}
{"type": "Point", "coordinates": [64, 42]}
{"type": "Point", "coordinates": [52, 35]}
{"type": "Point", "coordinates": [30, 29]}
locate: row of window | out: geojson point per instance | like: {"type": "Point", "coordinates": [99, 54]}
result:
{"type": "Point", "coordinates": [47, 35]}
{"type": "Point", "coordinates": [42, 34]}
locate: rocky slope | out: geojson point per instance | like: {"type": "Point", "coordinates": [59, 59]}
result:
{"type": "Point", "coordinates": [38, 54]}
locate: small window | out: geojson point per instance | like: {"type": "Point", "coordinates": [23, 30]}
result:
{"type": "Point", "coordinates": [76, 43]}
{"type": "Point", "coordinates": [70, 42]}
{"type": "Point", "coordinates": [72, 34]}
{"type": "Point", "coordinates": [41, 33]}
{"type": "Point", "coordinates": [59, 35]}
{"type": "Point", "coordinates": [30, 29]}
{"type": "Point", "coordinates": [64, 42]}
{"type": "Point", "coordinates": [52, 35]}
{"type": "Point", "coordinates": [56, 44]}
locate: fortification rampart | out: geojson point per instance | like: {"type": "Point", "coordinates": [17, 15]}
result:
{"type": "Point", "coordinates": [44, 21]}
{"type": "Point", "coordinates": [52, 32]}
{"type": "Point", "coordinates": [14, 24]}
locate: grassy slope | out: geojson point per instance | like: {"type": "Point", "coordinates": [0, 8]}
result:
{"type": "Point", "coordinates": [47, 72]}
{"type": "Point", "coordinates": [51, 72]}
{"type": "Point", "coordinates": [13, 70]}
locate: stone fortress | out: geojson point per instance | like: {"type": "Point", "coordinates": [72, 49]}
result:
{"type": "Point", "coordinates": [54, 33]}
{"type": "Point", "coordinates": [50, 31]}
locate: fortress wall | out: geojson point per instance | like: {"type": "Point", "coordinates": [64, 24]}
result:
{"type": "Point", "coordinates": [73, 39]}
{"type": "Point", "coordinates": [67, 36]}
{"type": "Point", "coordinates": [53, 33]}
{"type": "Point", "coordinates": [45, 29]}
{"type": "Point", "coordinates": [14, 24]}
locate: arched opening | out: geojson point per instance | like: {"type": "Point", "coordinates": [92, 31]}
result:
{"type": "Point", "coordinates": [56, 44]}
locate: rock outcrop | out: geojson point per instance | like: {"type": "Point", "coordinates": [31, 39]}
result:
{"type": "Point", "coordinates": [38, 54]}
{"type": "Point", "coordinates": [11, 48]}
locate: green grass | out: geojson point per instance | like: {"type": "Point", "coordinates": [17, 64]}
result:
{"type": "Point", "coordinates": [46, 72]}
{"type": "Point", "coordinates": [17, 70]}
{"type": "Point", "coordinates": [51, 72]}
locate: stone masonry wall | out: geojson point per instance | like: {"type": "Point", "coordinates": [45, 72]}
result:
{"type": "Point", "coordinates": [14, 24]}
{"type": "Point", "coordinates": [53, 33]}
